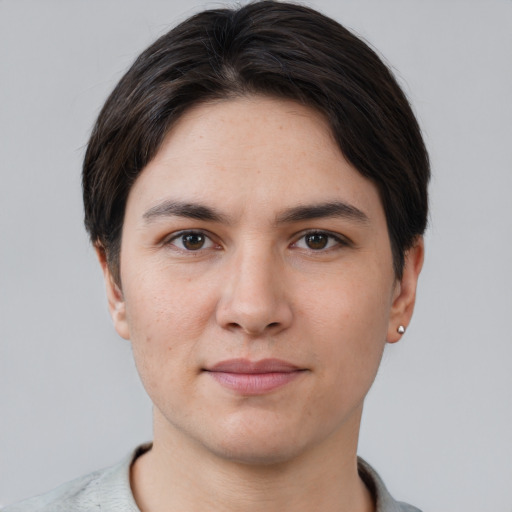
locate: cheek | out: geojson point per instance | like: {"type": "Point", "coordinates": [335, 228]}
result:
{"type": "Point", "coordinates": [350, 321]}
{"type": "Point", "coordinates": [166, 306]}
{"type": "Point", "coordinates": [166, 320]}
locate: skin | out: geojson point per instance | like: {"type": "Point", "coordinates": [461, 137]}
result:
{"type": "Point", "coordinates": [254, 284]}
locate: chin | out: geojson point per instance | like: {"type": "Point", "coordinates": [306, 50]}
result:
{"type": "Point", "coordinates": [257, 443]}
{"type": "Point", "coordinates": [252, 453]}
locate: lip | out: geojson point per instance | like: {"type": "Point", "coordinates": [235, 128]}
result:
{"type": "Point", "coordinates": [254, 377]}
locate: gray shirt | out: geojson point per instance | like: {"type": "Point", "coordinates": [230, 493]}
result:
{"type": "Point", "coordinates": [108, 490]}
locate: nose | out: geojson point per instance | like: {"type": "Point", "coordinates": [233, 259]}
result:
{"type": "Point", "coordinates": [254, 296]}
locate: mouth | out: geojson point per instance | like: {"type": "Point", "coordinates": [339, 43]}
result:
{"type": "Point", "coordinates": [254, 377]}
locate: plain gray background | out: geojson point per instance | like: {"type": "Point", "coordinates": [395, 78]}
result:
{"type": "Point", "coordinates": [438, 421]}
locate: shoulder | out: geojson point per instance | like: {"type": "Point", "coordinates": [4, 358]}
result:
{"type": "Point", "coordinates": [104, 490]}
{"type": "Point", "coordinates": [383, 499]}
{"type": "Point", "coordinates": [405, 507]}
{"type": "Point", "coordinates": [79, 494]}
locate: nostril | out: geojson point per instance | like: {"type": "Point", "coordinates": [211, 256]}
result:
{"type": "Point", "coordinates": [235, 326]}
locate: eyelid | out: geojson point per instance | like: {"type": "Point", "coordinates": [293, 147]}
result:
{"type": "Point", "coordinates": [168, 240]}
{"type": "Point", "coordinates": [341, 240]}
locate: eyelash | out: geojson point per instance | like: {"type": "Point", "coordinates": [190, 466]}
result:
{"type": "Point", "coordinates": [333, 242]}
{"type": "Point", "coordinates": [182, 234]}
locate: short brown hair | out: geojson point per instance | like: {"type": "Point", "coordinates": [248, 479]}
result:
{"type": "Point", "coordinates": [271, 48]}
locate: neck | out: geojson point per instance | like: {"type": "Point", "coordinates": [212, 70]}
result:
{"type": "Point", "coordinates": [178, 475]}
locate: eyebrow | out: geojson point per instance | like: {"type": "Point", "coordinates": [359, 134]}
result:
{"type": "Point", "coordinates": [339, 209]}
{"type": "Point", "coordinates": [171, 208]}
{"type": "Point", "coordinates": [323, 210]}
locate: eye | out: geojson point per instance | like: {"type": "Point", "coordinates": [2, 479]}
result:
{"type": "Point", "coordinates": [319, 241]}
{"type": "Point", "coordinates": [191, 241]}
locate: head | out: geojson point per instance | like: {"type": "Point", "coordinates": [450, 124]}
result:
{"type": "Point", "coordinates": [256, 189]}
{"type": "Point", "coordinates": [265, 48]}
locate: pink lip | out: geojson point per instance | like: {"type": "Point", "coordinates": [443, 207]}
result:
{"type": "Point", "coordinates": [254, 378]}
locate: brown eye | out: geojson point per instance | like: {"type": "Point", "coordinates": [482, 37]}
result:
{"type": "Point", "coordinates": [193, 241]}
{"type": "Point", "coordinates": [321, 241]}
{"type": "Point", "coordinates": [316, 241]}
{"type": "Point", "coordinates": [190, 241]}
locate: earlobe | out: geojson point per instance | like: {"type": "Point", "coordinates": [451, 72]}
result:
{"type": "Point", "coordinates": [116, 303]}
{"type": "Point", "coordinates": [405, 292]}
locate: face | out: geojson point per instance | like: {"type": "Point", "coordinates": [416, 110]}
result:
{"type": "Point", "coordinates": [257, 283]}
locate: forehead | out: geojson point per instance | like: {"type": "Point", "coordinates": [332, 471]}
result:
{"type": "Point", "coordinates": [252, 152]}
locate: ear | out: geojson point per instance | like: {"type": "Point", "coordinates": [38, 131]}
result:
{"type": "Point", "coordinates": [404, 295]}
{"type": "Point", "coordinates": [116, 304]}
